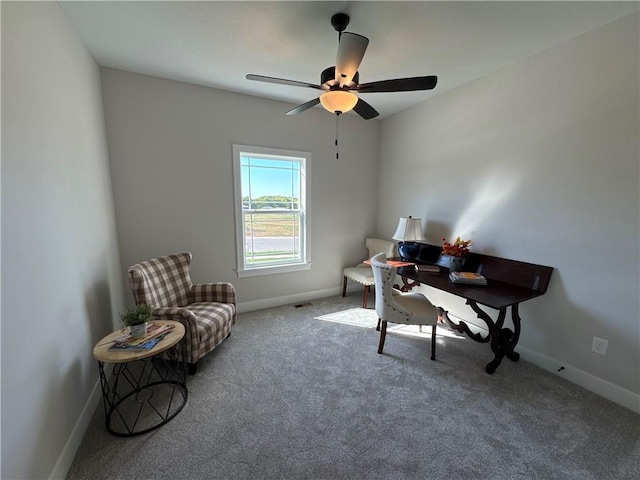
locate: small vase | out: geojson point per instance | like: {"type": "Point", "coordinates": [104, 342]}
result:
{"type": "Point", "coordinates": [455, 264]}
{"type": "Point", "coordinates": [139, 330]}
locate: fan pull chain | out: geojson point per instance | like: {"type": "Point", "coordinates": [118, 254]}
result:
{"type": "Point", "coordinates": [337, 149]}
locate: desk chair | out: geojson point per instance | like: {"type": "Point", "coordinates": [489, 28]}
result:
{"type": "Point", "coordinates": [362, 273]}
{"type": "Point", "coordinates": [406, 308]}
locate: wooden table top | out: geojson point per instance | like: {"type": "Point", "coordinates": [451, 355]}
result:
{"type": "Point", "coordinates": [102, 353]}
{"type": "Point", "coordinates": [495, 294]}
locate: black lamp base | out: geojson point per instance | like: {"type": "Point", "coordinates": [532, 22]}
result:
{"type": "Point", "coordinates": [409, 251]}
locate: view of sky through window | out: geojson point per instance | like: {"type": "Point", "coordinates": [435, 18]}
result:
{"type": "Point", "coordinates": [262, 177]}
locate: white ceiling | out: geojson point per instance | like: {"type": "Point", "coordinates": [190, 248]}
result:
{"type": "Point", "coordinates": [217, 43]}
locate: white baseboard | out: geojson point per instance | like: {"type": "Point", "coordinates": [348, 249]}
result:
{"type": "Point", "coordinates": [592, 383]}
{"type": "Point", "coordinates": [287, 299]}
{"type": "Point", "coordinates": [70, 449]}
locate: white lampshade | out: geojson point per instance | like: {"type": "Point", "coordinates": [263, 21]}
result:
{"type": "Point", "coordinates": [409, 230]}
{"type": "Point", "coordinates": [338, 101]}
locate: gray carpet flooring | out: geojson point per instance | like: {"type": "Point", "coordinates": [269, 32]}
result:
{"type": "Point", "coordinates": [291, 396]}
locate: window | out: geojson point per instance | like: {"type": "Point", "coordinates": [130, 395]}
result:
{"type": "Point", "coordinates": [272, 210]}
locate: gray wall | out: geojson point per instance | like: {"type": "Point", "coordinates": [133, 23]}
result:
{"type": "Point", "coordinates": [170, 146]}
{"type": "Point", "coordinates": [539, 162]}
{"type": "Point", "coordinates": [61, 280]}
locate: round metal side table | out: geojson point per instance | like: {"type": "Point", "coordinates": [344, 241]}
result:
{"type": "Point", "coordinates": [144, 389]}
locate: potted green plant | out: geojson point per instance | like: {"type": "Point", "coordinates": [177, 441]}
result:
{"type": "Point", "coordinates": [136, 318]}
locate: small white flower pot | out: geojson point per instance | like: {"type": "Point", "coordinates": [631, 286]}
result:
{"type": "Point", "coordinates": [139, 330]}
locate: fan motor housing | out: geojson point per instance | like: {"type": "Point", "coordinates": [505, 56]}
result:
{"type": "Point", "coordinates": [328, 77]}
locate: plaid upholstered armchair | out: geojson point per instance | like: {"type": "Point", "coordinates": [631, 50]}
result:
{"type": "Point", "coordinates": [207, 310]}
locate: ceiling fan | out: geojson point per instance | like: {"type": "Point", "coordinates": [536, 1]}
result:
{"type": "Point", "coordinates": [340, 83]}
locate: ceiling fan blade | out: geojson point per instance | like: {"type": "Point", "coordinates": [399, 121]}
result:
{"type": "Point", "coordinates": [350, 52]}
{"type": "Point", "coordinates": [365, 110]}
{"type": "Point", "coordinates": [282, 81]}
{"type": "Point", "coordinates": [399, 85]}
{"type": "Point", "coordinates": [304, 106]}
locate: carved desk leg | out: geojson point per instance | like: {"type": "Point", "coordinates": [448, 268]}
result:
{"type": "Point", "coordinates": [407, 285]}
{"type": "Point", "coordinates": [462, 327]}
{"type": "Point", "coordinates": [515, 317]}
{"type": "Point", "coordinates": [503, 340]}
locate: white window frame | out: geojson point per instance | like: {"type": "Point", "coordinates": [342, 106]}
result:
{"type": "Point", "coordinates": [304, 159]}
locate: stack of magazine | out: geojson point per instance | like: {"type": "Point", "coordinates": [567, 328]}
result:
{"type": "Point", "coordinates": [468, 278]}
{"type": "Point", "coordinates": [155, 333]}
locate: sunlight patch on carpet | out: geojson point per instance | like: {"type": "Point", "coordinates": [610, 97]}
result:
{"type": "Point", "coordinates": [367, 318]}
{"type": "Point", "coordinates": [414, 331]}
{"type": "Point", "coordinates": [359, 317]}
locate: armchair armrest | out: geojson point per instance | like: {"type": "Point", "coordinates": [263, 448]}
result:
{"type": "Point", "coordinates": [190, 322]}
{"type": "Point", "coordinates": [221, 292]}
{"type": "Point", "coordinates": [182, 314]}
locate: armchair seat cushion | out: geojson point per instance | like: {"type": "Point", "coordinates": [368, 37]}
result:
{"type": "Point", "coordinates": [213, 320]}
{"type": "Point", "coordinates": [363, 275]}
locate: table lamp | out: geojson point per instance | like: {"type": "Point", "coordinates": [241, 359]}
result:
{"type": "Point", "coordinates": [408, 233]}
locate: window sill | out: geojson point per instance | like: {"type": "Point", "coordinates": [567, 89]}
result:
{"type": "Point", "coordinates": [272, 270]}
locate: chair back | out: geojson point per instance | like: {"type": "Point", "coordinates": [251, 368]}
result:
{"type": "Point", "coordinates": [384, 275]}
{"type": "Point", "coordinates": [377, 245]}
{"type": "Point", "coordinates": [162, 281]}
{"type": "Point", "coordinates": [386, 306]}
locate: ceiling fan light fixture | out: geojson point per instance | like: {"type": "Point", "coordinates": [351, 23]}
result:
{"type": "Point", "coordinates": [340, 80]}
{"type": "Point", "coordinates": [338, 101]}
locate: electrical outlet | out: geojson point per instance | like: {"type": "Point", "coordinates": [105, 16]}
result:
{"type": "Point", "coordinates": [599, 345]}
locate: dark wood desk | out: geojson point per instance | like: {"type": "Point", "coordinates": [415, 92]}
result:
{"type": "Point", "coordinates": [509, 283]}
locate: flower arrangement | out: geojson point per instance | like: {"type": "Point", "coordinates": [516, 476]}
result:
{"type": "Point", "coordinates": [459, 248]}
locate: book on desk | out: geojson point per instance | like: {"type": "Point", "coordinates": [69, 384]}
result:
{"type": "Point", "coordinates": [469, 278]}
